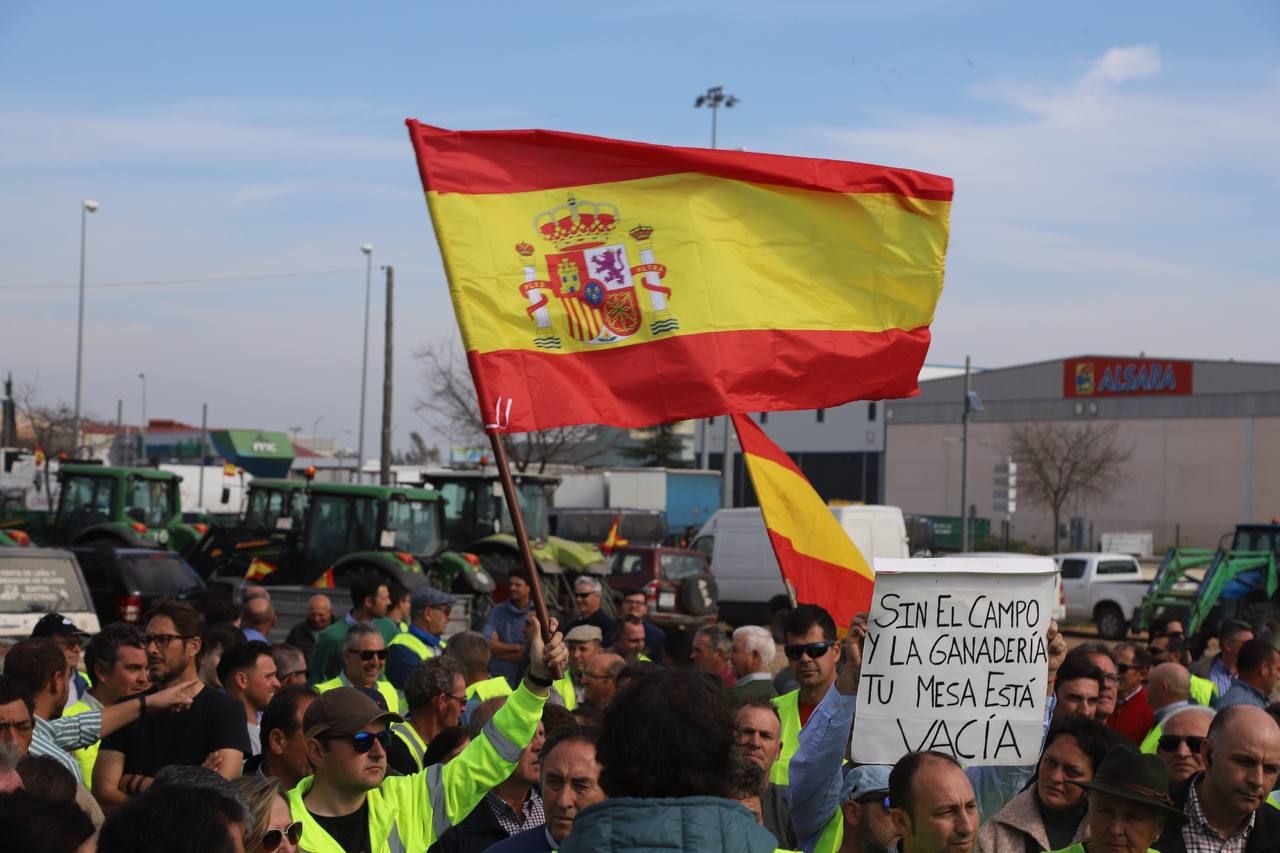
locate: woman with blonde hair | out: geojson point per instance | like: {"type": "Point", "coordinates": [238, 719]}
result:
{"type": "Point", "coordinates": [271, 828]}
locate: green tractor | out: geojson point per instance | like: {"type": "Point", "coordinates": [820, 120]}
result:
{"type": "Point", "coordinates": [322, 534]}
{"type": "Point", "coordinates": [1204, 587]}
{"type": "Point", "coordinates": [111, 507]}
{"type": "Point", "coordinates": [477, 520]}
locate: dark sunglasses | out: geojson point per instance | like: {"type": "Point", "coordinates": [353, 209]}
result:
{"type": "Point", "coordinates": [880, 799]}
{"type": "Point", "coordinates": [370, 654]}
{"type": "Point", "coordinates": [583, 594]}
{"type": "Point", "coordinates": [1170, 743]}
{"type": "Point", "coordinates": [362, 742]}
{"type": "Point", "coordinates": [272, 839]}
{"type": "Point", "coordinates": [813, 650]}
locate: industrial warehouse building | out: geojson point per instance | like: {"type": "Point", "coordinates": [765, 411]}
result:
{"type": "Point", "coordinates": [1203, 436]}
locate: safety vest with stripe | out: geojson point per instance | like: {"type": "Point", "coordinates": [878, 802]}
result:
{"type": "Point", "coordinates": [408, 813]}
{"type": "Point", "coordinates": [1204, 691]}
{"type": "Point", "coordinates": [490, 688]}
{"type": "Point", "coordinates": [419, 648]}
{"type": "Point", "coordinates": [564, 686]}
{"type": "Point", "coordinates": [788, 705]}
{"type": "Point", "coordinates": [85, 756]}
{"type": "Point", "coordinates": [1149, 742]}
{"type": "Point", "coordinates": [388, 692]}
{"type": "Point", "coordinates": [417, 746]}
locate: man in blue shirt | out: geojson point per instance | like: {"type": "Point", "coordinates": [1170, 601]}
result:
{"type": "Point", "coordinates": [429, 611]}
{"type": "Point", "coordinates": [504, 629]}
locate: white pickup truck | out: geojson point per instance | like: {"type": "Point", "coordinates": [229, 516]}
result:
{"type": "Point", "coordinates": [1104, 589]}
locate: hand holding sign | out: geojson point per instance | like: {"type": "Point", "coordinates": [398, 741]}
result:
{"type": "Point", "coordinates": [850, 670]}
{"type": "Point", "coordinates": [955, 659]}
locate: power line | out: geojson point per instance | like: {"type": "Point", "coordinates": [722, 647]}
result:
{"type": "Point", "coordinates": [174, 282]}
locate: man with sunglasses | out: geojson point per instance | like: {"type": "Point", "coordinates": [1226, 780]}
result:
{"type": "Point", "coordinates": [812, 654]}
{"type": "Point", "coordinates": [1132, 717]}
{"type": "Point", "coordinates": [429, 610]}
{"type": "Point", "coordinates": [1179, 744]}
{"type": "Point", "coordinates": [213, 729]}
{"type": "Point", "coordinates": [350, 804]}
{"type": "Point", "coordinates": [364, 658]}
{"type": "Point", "coordinates": [586, 596]}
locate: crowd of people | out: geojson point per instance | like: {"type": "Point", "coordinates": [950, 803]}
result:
{"type": "Point", "coordinates": [370, 731]}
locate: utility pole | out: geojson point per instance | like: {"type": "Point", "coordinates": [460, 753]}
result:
{"type": "Point", "coordinates": [87, 206]}
{"type": "Point", "coordinates": [367, 248]}
{"type": "Point", "coordinates": [116, 443]}
{"type": "Point", "coordinates": [204, 450]}
{"type": "Point", "coordinates": [964, 462]}
{"type": "Point", "coordinates": [385, 473]}
{"type": "Point", "coordinates": [142, 428]}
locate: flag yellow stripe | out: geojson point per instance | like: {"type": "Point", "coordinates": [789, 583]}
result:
{"type": "Point", "coordinates": [793, 509]}
{"type": "Point", "coordinates": [739, 256]}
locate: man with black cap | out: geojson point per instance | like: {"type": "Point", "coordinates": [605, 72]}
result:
{"type": "Point", "coordinates": [350, 805]}
{"type": "Point", "coordinates": [429, 611]}
{"type": "Point", "coordinates": [1128, 805]}
{"type": "Point", "coordinates": [71, 640]}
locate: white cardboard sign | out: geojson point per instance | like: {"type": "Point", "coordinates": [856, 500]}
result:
{"type": "Point", "coordinates": [955, 660]}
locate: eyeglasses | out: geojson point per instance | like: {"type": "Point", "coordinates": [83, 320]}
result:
{"type": "Point", "coordinates": [461, 700]}
{"type": "Point", "coordinates": [287, 675]}
{"type": "Point", "coordinates": [1110, 678]}
{"type": "Point", "coordinates": [369, 654]}
{"type": "Point", "coordinates": [21, 728]}
{"type": "Point", "coordinates": [273, 837]}
{"type": "Point", "coordinates": [813, 650]}
{"type": "Point", "coordinates": [583, 594]}
{"type": "Point", "coordinates": [1170, 743]}
{"type": "Point", "coordinates": [162, 641]}
{"type": "Point", "coordinates": [362, 742]}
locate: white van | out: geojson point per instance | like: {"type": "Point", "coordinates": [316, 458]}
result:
{"type": "Point", "coordinates": [747, 576]}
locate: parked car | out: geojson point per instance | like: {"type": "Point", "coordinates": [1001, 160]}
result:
{"type": "Point", "coordinates": [125, 582]}
{"type": "Point", "coordinates": [676, 581]}
{"type": "Point", "coordinates": [36, 581]}
{"type": "Point", "coordinates": [746, 570]}
{"type": "Point", "coordinates": [1105, 589]}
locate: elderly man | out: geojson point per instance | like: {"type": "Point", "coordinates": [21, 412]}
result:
{"type": "Point", "coordinates": [600, 681]}
{"type": "Point", "coordinates": [364, 659]}
{"type": "Point", "coordinates": [751, 657]}
{"type": "Point", "coordinates": [585, 642]}
{"type": "Point", "coordinates": [429, 610]}
{"type": "Point", "coordinates": [1132, 717]}
{"type": "Point", "coordinates": [319, 616]}
{"type": "Point", "coordinates": [1180, 740]}
{"type": "Point", "coordinates": [370, 601]}
{"type": "Point", "coordinates": [1259, 670]}
{"type": "Point", "coordinates": [1172, 648]}
{"type": "Point", "coordinates": [1128, 806]}
{"type": "Point", "coordinates": [759, 734]}
{"type": "Point", "coordinates": [1221, 668]}
{"type": "Point", "coordinates": [710, 653]}
{"type": "Point", "coordinates": [257, 619]}
{"type": "Point", "coordinates": [586, 595]}
{"type": "Point", "coordinates": [1168, 691]}
{"type": "Point", "coordinates": [570, 782]}
{"type": "Point", "coordinates": [291, 664]}
{"type": "Point", "coordinates": [1226, 805]}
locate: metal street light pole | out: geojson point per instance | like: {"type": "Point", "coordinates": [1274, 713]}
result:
{"type": "Point", "coordinates": [87, 206]}
{"type": "Point", "coordinates": [315, 426]}
{"type": "Point", "coordinates": [714, 99]}
{"type": "Point", "coordinates": [964, 460]}
{"type": "Point", "coordinates": [142, 428]}
{"type": "Point", "coordinates": [367, 248]}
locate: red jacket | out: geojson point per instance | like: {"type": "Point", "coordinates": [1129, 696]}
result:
{"type": "Point", "coordinates": [1133, 717]}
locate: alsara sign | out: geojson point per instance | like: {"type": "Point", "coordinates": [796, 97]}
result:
{"type": "Point", "coordinates": [1125, 377]}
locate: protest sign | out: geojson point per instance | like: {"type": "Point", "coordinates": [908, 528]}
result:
{"type": "Point", "coordinates": [955, 660]}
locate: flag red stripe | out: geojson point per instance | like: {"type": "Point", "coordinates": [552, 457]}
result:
{"type": "Point", "coordinates": [697, 376]}
{"type": "Point", "coordinates": [513, 161]}
{"type": "Point", "coordinates": [756, 443]}
{"type": "Point", "coordinates": [842, 592]}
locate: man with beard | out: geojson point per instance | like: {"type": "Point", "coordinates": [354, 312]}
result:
{"type": "Point", "coordinates": [212, 730]}
{"type": "Point", "coordinates": [1226, 805]}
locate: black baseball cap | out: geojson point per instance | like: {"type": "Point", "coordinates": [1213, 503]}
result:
{"type": "Point", "coordinates": [57, 625]}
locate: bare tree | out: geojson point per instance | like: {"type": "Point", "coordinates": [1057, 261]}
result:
{"type": "Point", "coordinates": [1059, 462]}
{"type": "Point", "coordinates": [449, 405]}
{"type": "Point", "coordinates": [53, 427]}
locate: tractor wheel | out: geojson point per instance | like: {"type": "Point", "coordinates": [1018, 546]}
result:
{"type": "Point", "coordinates": [1110, 622]}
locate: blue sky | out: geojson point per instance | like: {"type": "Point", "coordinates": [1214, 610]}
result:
{"type": "Point", "coordinates": [1114, 163]}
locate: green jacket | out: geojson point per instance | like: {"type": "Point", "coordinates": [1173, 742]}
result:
{"type": "Point", "coordinates": [788, 705]}
{"type": "Point", "coordinates": [326, 657]}
{"type": "Point", "coordinates": [408, 813]}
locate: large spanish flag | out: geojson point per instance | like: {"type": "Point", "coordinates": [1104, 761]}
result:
{"type": "Point", "coordinates": [817, 557]}
{"type": "Point", "coordinates": [602, 281]}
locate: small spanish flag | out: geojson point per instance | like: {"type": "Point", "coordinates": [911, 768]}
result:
{"type": "Point", "coordinates": [259, 570]}
{"type": "Point", "coordinates": [614, 540]}
{"type": "Point", "coordinates": [326, 580]}
{"type": "Point", "coordinates": [817, 557]}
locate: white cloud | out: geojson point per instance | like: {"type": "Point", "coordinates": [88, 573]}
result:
{"type": "Point", "coordinates": [1121, 64]}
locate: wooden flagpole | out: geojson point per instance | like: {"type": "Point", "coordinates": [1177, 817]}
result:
{"type": "Point", "coordinates": [522, 536]}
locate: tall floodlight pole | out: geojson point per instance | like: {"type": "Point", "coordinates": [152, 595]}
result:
{"type": "Point", "coordinates": [142, 428]}
{"type": "Point", "coordinates": [964, 460]}
{"type": "Point", "coordinates": [713, 99]}
{"type": "Point", "coordinates": [367, 248]}
{"type": "Point", "coordinates": [86, 207]}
